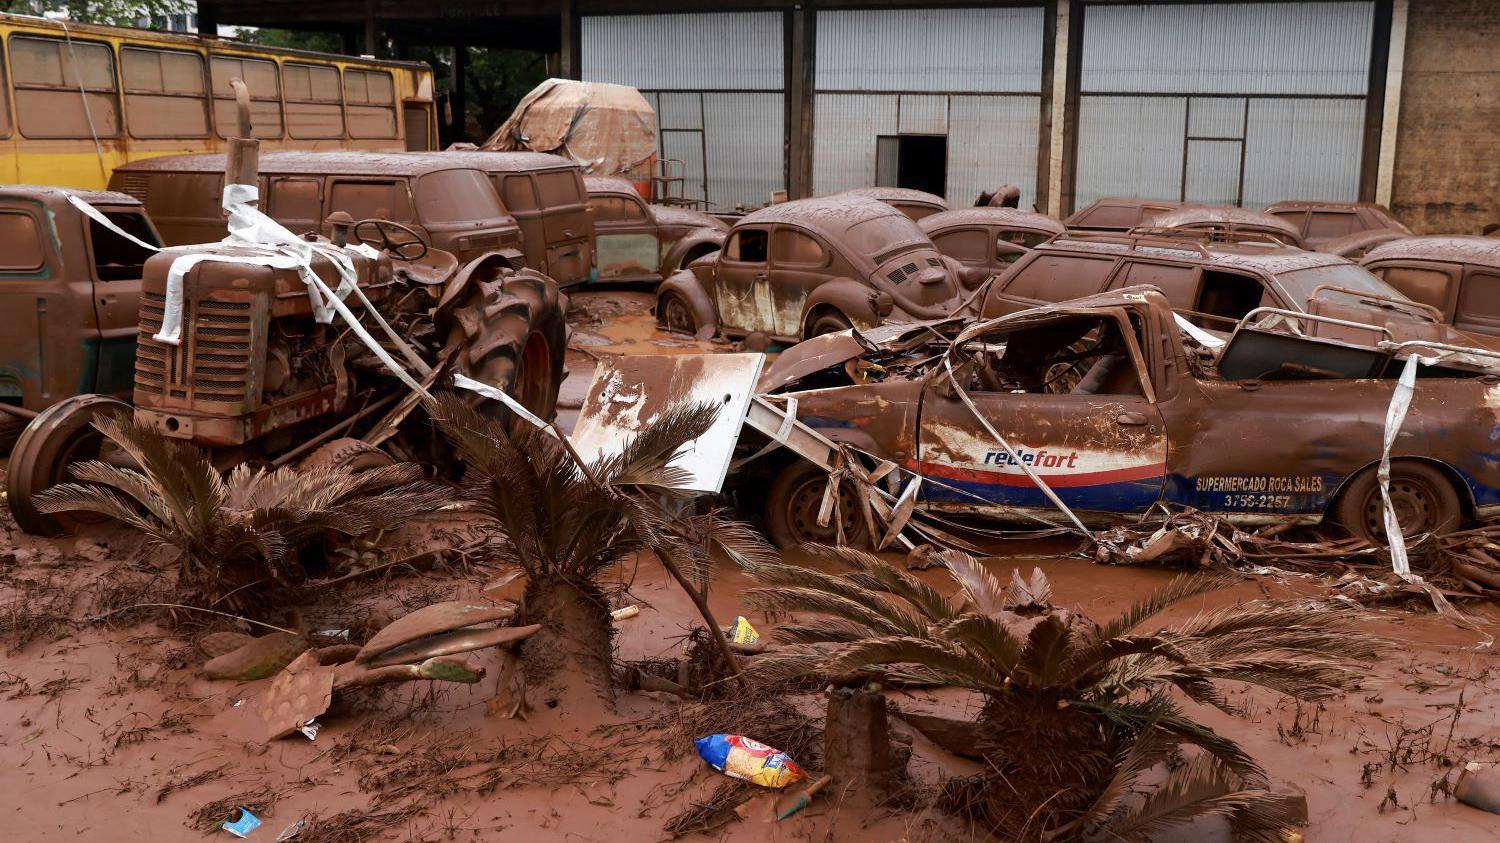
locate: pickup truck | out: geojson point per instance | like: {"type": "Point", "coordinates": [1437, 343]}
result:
{"type": "Point", "coordinates": [1117, 404]}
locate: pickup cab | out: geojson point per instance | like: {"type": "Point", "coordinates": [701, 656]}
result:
{"type": "Point", "coordinates": [71, 290]}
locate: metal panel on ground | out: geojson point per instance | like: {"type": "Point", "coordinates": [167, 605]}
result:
{"type": "Point", "coordinates": [992, 141]}
{"type": "Point", "coordinates": [1298, 148]}
{"type": "Point", "coordinates": [743, 134]}
{"type": "Point", "coordinates": [1130, 146]}
{"type": "Point", "coordinates": [844, 133]}
{"type": "Point", "coordinates": [958, 50]}
{"type": "Point", "coordinates": [685, 52]}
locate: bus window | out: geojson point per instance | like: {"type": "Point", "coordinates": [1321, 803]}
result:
{"type": "Point", "coordinates": [164, 95]}
{"type": "Point", "coordinates": [47, 74]}
{"type": "Point", "coordinates": [265, 96]}
{"type": "Point", "coordinates": [313, 103]}
{"type": "Point", "coordinates": [371, 101]}
{"type": "Point", "coordinates": [4, 100]}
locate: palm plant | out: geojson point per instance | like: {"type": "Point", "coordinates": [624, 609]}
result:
{"type": "Point", "coordinates": [235, 538]}
{"type": "Point", "coordinates": [1073, 712]}
{"type": "Point", "coordinates": [567, 522]}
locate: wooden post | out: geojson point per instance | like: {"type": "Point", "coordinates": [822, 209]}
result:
{"type": "Point", "coordinates": [208, 19]}
{"type": "Point", "coordinates": [570, 42]}
{"type": "Point", "coordinates": [373, 42]}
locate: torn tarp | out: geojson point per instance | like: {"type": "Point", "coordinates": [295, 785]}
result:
{"type": "Point", "coordinates": [606, 129]}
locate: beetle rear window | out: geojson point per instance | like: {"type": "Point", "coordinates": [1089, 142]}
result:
{"type": "Point", "coordinates": [882, 236]}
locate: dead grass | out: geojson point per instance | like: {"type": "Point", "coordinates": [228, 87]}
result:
{"type": "Point", "coordinates": [34, 610]}
{"type": "Point", "coordinates": [358, 825]}
{"type": "Point", "coordinates": [212, 816]}
{"type": "Point", "coordinates": [189, 782]}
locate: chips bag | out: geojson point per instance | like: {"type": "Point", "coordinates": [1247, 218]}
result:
{"type": "Point", "coordinates": [742, 758]}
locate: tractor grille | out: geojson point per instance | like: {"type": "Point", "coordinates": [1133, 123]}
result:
{"type": "Point", "coordinates": [212, 364]}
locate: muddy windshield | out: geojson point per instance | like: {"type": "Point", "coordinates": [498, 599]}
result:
{"type": "Point", "coordinates": [457, 196]}
{"type": "Point", "coordinates": [1300, 283]}
{"type": "Point", "coordinates": [885, 236]}
{"type": "Point", "coordinates": [115, 257]}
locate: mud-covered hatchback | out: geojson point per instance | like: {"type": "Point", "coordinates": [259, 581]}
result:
{"type": "Point", "coordinates": [641, 242]}
{"type": "Point", "coordinates": [811, 267]}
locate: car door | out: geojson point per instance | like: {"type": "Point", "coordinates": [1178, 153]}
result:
{"type": "Point", "coordinates": [1100, 445]}
{"type": "Point", "coordinates": [51, 330]}
{"type": "Point", "coordinates": [566, 225]}
{"type": "Point", "coordinates": [799, 263]}
{"type": "Point", "coordinates": [117, 265]}
{"type": "Point", "coordinates": [743, 294]}
{"type": "Point", "coordinates": [628, 248]}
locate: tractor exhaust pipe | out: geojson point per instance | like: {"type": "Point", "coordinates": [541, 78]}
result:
{"type": "Point", "coordinates": [242, 163]}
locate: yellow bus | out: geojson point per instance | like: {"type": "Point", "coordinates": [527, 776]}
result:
{"type": "Point", "coordinates": [78, 100]}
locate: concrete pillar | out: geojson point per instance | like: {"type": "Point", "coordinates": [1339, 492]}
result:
{"type": "Point", "coordinates": [1058, 143]}
{"type": "Point", "coordinates": [1390, 120]}
{"type": "Point", "coordinates": [570, 43]}
{"type": "Point", "coordinates": [801, 39]}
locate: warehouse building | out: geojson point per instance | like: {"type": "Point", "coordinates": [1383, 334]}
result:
{"type": "Point", "coordinates": [1219, 101]}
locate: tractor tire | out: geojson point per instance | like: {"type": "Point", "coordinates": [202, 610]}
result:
{"type": "Point", "coordinates": [62, 435]}
{"type": "Point", "coordinates": [354, 455]}
{"type": "Point", "coordinates": [792, 505]}
{"type": "Point", "coordinates": [1422, 494]}
{"type": "Point", "coordinates": [513, 331]}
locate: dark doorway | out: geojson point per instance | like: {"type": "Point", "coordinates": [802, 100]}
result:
{"type": "Point", "coordinates": [919, 162]}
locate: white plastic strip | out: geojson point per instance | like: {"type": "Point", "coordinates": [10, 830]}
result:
{"type": "Point", "coordinates": [465, 382]}
{"type": "Point", "coordinates": [98, 216]}
{"type": "Point", "coordinates": [1202, 337]}
{"type": "Point", "coordinates": [1395, 415]}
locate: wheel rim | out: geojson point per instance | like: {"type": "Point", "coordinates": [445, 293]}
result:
{"type": "Point", "coordinates": [1416, 504]}
{"type": "Point", "coordinates": [802, 513]}
{"type": "Point", "coordinates": [676, 316]}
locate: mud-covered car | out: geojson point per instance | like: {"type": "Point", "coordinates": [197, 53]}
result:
{"type": "Point", "coordinates": [1108, 404]}
{"type": "Point", "coordinates": [1224, 222]}
{"type": "Point", "coordinates": [641, 242]}
{"type": "Point", "coordinates": [986, 240]}
{"type": "Point", "coordinates": [1457, 274]}
{"type": "Point", "coordinates": [1338, 227]}
{"type": "Point", "coordinates": [810, 267]}
{"type": "Point", "coordinates": [1118, 213]}
{"type": "Point", "coordinates": [917, 204]}
{"type": "Point", "coordinates": [1216, 283]}
{"type": "Point", "coordinates": [73, 288]}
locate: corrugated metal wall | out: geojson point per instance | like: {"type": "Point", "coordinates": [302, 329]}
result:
{"type": "Point", "coordinates": [971, 74]}
{"type": "Point", "coordinates": [717, 82]}
{"type": "Point", "coordinates": [1278, 113]}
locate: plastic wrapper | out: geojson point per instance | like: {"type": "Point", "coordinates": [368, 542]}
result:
{"type": "Point", "coordinates": [740, 757]}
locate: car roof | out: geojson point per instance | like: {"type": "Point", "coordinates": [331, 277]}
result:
{"type": "Point", "coordinates": [47, 191]}
{"type": "Point", "coordinates": [989, 215]}
{"type": "Point", "coordinates": [1465, 248]}
{"type": "Point", "coordinates": [608, 184]}
{"type": "Point", "coordinates": [897, 194]}
{"type": "Point", "coordinates": [492, 161]}
{"type": "Point", "coordinates": [1255, 255]}
{"type": "Point", "coordinates": [829, 215]}
{"type": "Point", "coordinates": [1226, 214]}
{"type": "Point", "coordinates": [317, 163]}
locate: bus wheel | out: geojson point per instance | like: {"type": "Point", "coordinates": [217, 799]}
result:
{"type": "Point", "coordinates": [62, 435]}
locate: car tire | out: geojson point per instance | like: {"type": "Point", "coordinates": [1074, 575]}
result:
{"type": "Point", "coordinates": [792, 509]}
{"type": "Point", "coordinates": [675, 314]}
{"type": "Point", "coordinates": [1424, 498]}
{"type": "Point", "coordinates": [61, 435]}
{"type": "Point", "coordinates": [827, 322]}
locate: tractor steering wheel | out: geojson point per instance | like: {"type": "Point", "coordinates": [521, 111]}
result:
{"type": "Point", "coordinates": [384, 228]}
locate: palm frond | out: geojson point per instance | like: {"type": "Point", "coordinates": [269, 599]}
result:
{"type": "Point", "coordinates": [954, 665]}
{"type": "Point", "coordinates": [646, 457]}
{"type": "Point", "coordinates": [1180, 588]}
{"type": "Point", "coordinates": [870, 571]}
{"type": "Point", "coordinates": [981, 588]}
{"type": "Point", "coordinates": [1202, 787]}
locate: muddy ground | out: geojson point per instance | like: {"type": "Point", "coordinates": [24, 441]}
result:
{"type": "Point", "coordinates": [107, 731]}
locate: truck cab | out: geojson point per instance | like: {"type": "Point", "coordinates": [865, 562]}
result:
{"type": "Point", "coordinates": [71, 289]}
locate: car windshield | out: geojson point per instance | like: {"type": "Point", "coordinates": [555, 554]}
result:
{"type": "Point", "coordinates": [457, 196]}
{"type": "Point", "coordinates": [1300, 283]}
{"type": "Point", "coordinates": [882, 236]}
